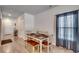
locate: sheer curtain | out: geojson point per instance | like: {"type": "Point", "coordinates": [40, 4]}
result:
{"type": "Point", "coordinates": [67, 30]}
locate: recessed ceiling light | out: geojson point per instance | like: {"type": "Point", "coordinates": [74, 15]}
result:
{"type": "Point", "coordinates": [50, 5]}
{"type": "Point", "coordinates": [9, 14]}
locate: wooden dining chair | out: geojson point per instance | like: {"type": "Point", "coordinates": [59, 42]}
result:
{"type": "Point", "coordinates": [31, 44]}
{"type": "Point", "coordinates": [47, 44]}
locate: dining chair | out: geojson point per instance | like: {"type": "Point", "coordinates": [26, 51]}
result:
{"type": "Point", "coordinates": [48, 44]}
{"type": "Point", "coordinates": [31, 44]}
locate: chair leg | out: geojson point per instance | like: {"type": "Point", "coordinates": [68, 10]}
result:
{"type": "Point", "coordinates": [48, 49]}
{"type": "Point", "coordinates": [33, 49]}
{"type": "Point", "coordinates": [38, 49]}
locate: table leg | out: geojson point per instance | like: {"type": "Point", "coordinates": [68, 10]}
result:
{"type": "Point", "coordinates": [48, 46]}
{"type": "Point", "coordinates": [40, 46]}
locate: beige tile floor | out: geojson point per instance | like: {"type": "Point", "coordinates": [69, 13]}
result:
{"type": "Point", "coordinates": [18, 46]}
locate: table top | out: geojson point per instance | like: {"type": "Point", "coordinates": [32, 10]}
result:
{"type": "Point", "coordinates": [38, 36]}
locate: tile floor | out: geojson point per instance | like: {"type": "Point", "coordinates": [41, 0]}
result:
{"type": "Point", "coordinates": [18, 46]}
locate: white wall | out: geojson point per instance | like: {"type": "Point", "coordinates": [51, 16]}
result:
{"type": "Point", "coordinates": [43, 21]}
{"type": "Point", "coordinates": [47, 19]}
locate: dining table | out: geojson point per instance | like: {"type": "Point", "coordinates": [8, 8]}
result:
{"type": "Point", "coordinates": [40, 37]}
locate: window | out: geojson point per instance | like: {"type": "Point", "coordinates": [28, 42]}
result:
{"type": "Point", "coordinates": [67, 25]}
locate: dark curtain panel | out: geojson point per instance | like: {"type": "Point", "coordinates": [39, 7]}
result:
{"type": "Point", "coordinates": [67, 30]}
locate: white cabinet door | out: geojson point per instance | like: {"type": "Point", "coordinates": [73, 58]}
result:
{"type": "Point", "coordinates": [29, 22]}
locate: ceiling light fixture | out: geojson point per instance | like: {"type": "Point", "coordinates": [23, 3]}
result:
{"type": "Point", "coordinates": [50, 5]}
{"type": "Point", "coordinates": [9, 14]}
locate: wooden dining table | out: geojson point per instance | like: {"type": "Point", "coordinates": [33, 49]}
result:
{"type": "Point", "coordinates": [39, 37]}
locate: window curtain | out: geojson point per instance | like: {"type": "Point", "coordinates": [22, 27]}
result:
{"type": "Point", "coordinates": [67, 30]}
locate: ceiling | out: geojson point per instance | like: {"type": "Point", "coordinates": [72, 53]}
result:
{"type": "Point", "coordinates": [31, 9]}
